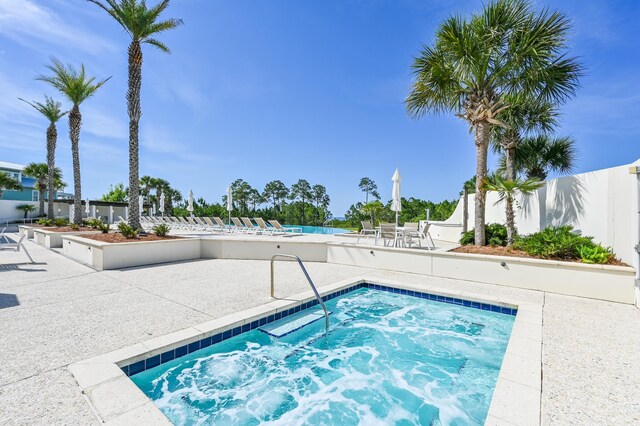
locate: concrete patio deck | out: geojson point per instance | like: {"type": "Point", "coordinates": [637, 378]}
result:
{"type": "Point", "coordinates": [59, 312]}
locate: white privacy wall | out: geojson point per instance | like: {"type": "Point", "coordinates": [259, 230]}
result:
{"type": "Point", "coordinates": [601, 204]}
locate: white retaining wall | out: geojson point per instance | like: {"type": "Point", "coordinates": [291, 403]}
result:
{"type": "Point", "coordinates": [601, 204]}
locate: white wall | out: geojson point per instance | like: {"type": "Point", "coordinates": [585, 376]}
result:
{"type": "Point", "coordinates": [8, 209]}
{"type": "Point", "coordinates": [601, 204]}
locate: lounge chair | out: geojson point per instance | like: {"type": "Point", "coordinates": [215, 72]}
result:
{"type": "Point", "coordinates": [16, 247]}
{"type": "Point", "coordinates": [239, 226]}
{"type": "Point", "coordinates": [250, 226]}
{"type": "Point", "coordinates": [3, 236]}
{"type": "Point", "coordinates": [223, 226]}
{"type": "Point", "coordinates": [366, 231]}
{"type": "Point", "coordinates": [264, 228]}
{"type": "Point", "coordinates": [389, 233]}
{"type": "Point", "coordinates": [281, 229]}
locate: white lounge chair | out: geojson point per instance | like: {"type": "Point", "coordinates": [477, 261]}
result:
{"type": "Point", "coordinates": [264, 228]}
{"type": "Point", "coordinates": [281, 229]}
{"type": "Point", "coordinates": [239, 226]}
{"type": "Point", "coordinates": [3, 236]}
{"type": "Point", "coordinates": [250, 226]}
{"type": "Point", "coordinates": [223, 226]}
{"type": "Point", "coordinates": [366, 231]}
{"type": "Point", "coordinates": [16, 247]}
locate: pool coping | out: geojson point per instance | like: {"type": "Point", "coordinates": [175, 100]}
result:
{"type": "Point", "coordinates": [115, 399]}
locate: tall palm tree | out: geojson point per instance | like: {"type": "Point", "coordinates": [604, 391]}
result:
{"type": "Point", "coordinates": [53, 112]}
{"type": "Point", "coordinates": [537, 156]}
{"type": "Point", "coordinates": [8, 183]}
{"type": "Point", "coordinates": [40, 172]}
{"type": "Point", "coordinates": [77, 87]}
{"type": "Point", "coordinates": [507, 190]}
{"type": "Point", "coordinates": [142, 25]}
{"type": "Point", "coordinates": [476, 63]}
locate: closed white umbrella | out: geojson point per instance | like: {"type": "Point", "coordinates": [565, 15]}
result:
{"type": "Point", "coordinates": [161, 208]}
{"type": "Point", "coordinates": [140, 205]}
{"type": "Point", "coordinates": [229, 203]}
{"type": "Point", "coordinates": [190, 203]}
{"type": "Point", "coordinates": [396, 201]}
{"type": "Point", "coordinates": [86, 206]}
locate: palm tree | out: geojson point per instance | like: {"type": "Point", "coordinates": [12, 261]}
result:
{"type": "Point", "coordinates": [142, 25]}
{"type": "Point", "coordinates": [368, 186]}
{"type": "Point", "coordinates": [40, 172]}
{"type": "Point", "coordinates": [77, 87]}
{"type": "Point", "coordinates": [537, 156]}
{"type": "Point", "coordinates": [53, 112]}
{"type": "Point", "coordinates": [374, 209]}
{"type": "Point", "coordinates": [26, 208]}
{"type": "Point", "coordinates": [475, 64]}
{"type": "Point", "coordinates": [7, 182]}
{"type": "Point", "coordinates": [507, 190]}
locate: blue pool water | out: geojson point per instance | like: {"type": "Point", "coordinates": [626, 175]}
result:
{"type": "Point", "coordinates": [388, 359]}
{"type": "Point", "coordinates": [318, 229]}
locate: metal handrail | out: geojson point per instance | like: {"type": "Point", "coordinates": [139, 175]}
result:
{"type": "Point", "coordinates": [313, 287]}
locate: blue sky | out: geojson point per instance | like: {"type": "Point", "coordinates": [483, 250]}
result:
{"type": "Point", "coordinates": [264, 90]}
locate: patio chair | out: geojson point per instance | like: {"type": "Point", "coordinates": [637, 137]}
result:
{"type": "Point", "coordinates": [389, 233]}
{"type": "Point", "coordinates": [281, 229]}
{"type": "Point", "coordinates": [16, 247]}
{"type": "Point", "coordinates": [366, 231]}
{"type": "Point", "coordinates": [426, 236]}
{"type": "Point", "coordinates": [411, 232]}
{"type": "Point", "coordinates": [3, 236]}
{"type": "Point", "coordinates": [263, 227]}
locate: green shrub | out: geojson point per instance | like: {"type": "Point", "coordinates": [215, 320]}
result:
{"type": "Point", "coordinates": [103, 227]}
{"type": "Point", "coordinates": [595, 254]}
{"type": "Point", "coordinates": [161, 230]}
{"type": "Point", "coordinates": [551, 242]}
{"type": "Point", "coordinates": [495, 233]}
{"type": "Point", "coordinates": [129, 232]}
{"type": "Point", "coordinates": [74, 226]}
{"type": "Point", "coordinates": [61, 221]}
{"type": "Point", "coordinates": [93, 223]}
{"type": "Point", "coordinates": [45, 222]}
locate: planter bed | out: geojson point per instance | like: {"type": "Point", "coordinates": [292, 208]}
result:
{"type": "Point", "coordinates": [604, 282]}
{"type": "Point", "coordinates": [143, 251]}
{"type": "Point", "coordinates": [116, 237]}
{"type": "Point", "coordinates": [52, 237]}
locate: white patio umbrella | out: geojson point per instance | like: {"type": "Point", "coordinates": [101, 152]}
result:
{"type": "Point", "coordinates": [229, 203]}
{"type": "Point", "coordinates": [86, 206]}
{"type": "Point", "coordinates": [161, 208]}
{"type": "Point", "coordinates": [396, 202]}
{"type": "Point", "coordinates": [140, 205]}
{"type": "Point", "coordinates": [190, 203]}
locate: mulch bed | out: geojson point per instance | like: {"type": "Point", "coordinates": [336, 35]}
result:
{"type": "Point", "coordinates": [67, 229]}
{"type": "Point", "coordinates": [504, 251]}
{"type": "Point", "coordinates": [116, 237]}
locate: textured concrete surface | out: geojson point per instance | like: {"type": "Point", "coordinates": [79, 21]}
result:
{"type": "Point", "coordinates": [59, 312]}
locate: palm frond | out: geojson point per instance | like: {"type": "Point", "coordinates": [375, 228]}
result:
{"type": "Point", "coordinates": [74, 84]}
{"type": "Point", "coordinates": [51, 109]}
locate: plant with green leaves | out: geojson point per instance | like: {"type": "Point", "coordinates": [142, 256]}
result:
{"type": "Point", "coordinates": [374, 209]}
{"type": "Point", "coordinates": [301, 190]}
{"type": "Point", "coordinates": [475, 64]}
{"type": "Point", "coordinates": [539, 155]}
{"type": "Point", "coordinates": [40, 172]}
{"type": "Point", "coordinates": [26, 209]}
{"type": "Point", "coordinates": [77, 87]}
{"type": "Point", "coordinates": [117, 193]}
{"type": "Point", "coordinates": [9, 183]}
{"type": "Point", "coordinates": [45, 222]}
{"type": "Point", "coordinates": [161, 230]}
{"type": "Point", "coordinates": [554, 242]}
{"type": "Point", "coordinates": [52, 111]}
{"type": "Point", "coordinates": [595, 254]}
{"type": "Point", "coordinates": [127, 231]}
{"type": "Point", "coordinates": [507, 190]}
{"type": "Point", "coordinates": [143, 25]}
{"type": "Point", "coordinates": [103, 227]}
{"type": "Point", "coordinates": [277, 192]}
{"type": "Point", "coordinates": [61, 221]}
{"type": "Point", "coordinates": [496, 235]}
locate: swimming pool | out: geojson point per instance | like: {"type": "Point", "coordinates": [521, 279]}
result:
{"type": "Point", "coordinates": [389, 358]}
{"type": "Point", "coordinates": [318, 229]}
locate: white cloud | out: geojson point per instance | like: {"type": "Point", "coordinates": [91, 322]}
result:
{"type": "Point", "coordinates": [31, 24]}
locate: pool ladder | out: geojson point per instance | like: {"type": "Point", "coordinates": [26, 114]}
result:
{"type": "Point", "coordinates": [306, 274]}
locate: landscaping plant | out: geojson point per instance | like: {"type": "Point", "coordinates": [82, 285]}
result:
{"type": "Point", "coordinates": [103, 227]}
{"type": "Point", "coordinates": [595, 254]}
{"type": "Point", "coordinates": [496, 234]}
{"type": "Point", "coordinates": [161, 230]}
{"type": "Point", "coordinates": [128, 231]}
{"type": "Point", "coordinates": [554, 242]}
{"type": "Point", "coordinates": [61, 221]}
{"type": "Point", "coordinates": [45, 222]}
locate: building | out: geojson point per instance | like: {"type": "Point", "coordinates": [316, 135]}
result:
{"type": "Point", "coordinates": [29, 191]}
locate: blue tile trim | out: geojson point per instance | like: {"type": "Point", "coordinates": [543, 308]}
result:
{"type": "Point", "coordinates": [156, 360]}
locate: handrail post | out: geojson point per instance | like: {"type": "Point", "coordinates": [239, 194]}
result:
{"type": "Point", "coordinates": [313, 287]}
